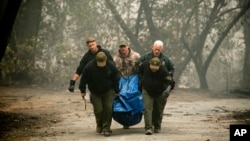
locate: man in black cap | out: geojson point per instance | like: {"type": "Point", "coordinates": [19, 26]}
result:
{"type": "Point", "coordinates": [93, 49]}
{"type": "Point", "coordinates": [102, 78]}
{"type": "Point", "coordinates": [155, 79]}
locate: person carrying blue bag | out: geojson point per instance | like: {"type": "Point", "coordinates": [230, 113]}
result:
{"type": "Point", "coordinates": [128, 107]}
{"type": "Point", "coordinates": [156, 81]}
{"type": "Point", "coordinates": [102, 78]}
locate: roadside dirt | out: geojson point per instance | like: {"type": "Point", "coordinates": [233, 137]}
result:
{"type": "Point", "coordinates": [34, 114]}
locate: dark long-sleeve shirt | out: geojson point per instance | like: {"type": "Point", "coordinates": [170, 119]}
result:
{"type": "Point", "coordinates": [153, 82]}
{"type": "Point", "coordinates": [88, 56]}
{"type": "Point", "coordinates": [100, 79]}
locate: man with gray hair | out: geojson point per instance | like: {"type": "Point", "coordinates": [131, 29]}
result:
{"type": "Point", "coordinates": [157, 50]}
{"type": "Point", "coordinates": [157, 113]}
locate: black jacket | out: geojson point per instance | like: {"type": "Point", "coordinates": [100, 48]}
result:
{"type": "Point", "coordinates": [153, 82]}
{"type": "Point", "coordinates": [100, 79]}
{"type": "Point", "coordinates": [88, 56]}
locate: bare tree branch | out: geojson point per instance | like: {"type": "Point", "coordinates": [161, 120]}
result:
{"type": "Point", "coordinates": [224, 34]}
{"type": "Point", "coordinates": [154, 34]}
{"type": "Point", "coordinates": [122, 24]}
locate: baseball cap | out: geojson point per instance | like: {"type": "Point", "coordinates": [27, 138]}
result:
{"type": "Point", "coordinates": [101, 59]}
{"type": "Point", "coordinates": [155, 63]}
{"type": "Point", "coordinates": [123, 43]}
{"type": "Point", "coordinates": [90, 39]}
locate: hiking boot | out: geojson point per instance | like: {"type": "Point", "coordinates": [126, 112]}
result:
{"type": "Point", "coordinates": [157, 131]}
{"type": "Point", "coordinates": [106, 133]}
{"type": "Point", "coordinates": [98, 129]}
{"type": "Point", "coordinates": [148, 132]}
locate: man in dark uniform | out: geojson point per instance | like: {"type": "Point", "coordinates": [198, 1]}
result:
{"type": "Point", "coordinates": [88, 56]}
{"type": "Point", "coordinates": [157, 51]}
{"type": "Point", "coordinates": [102, 78]}
{"type": "Point", "coordinates": [154, 80]}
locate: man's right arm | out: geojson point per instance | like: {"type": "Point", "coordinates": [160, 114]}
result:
{"type": "Point", "coordinates": [82, 64]}
{"type": "Point", "coordinates": [78, 72]}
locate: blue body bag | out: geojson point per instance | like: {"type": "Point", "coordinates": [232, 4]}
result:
{"type": "Point", "coordinates": [128, 107]}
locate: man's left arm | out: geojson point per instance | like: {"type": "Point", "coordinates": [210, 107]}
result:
{"type": "Point", "coordinates": [115, 78]}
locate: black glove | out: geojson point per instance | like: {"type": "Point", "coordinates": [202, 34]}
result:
{"type": "Point", "coordinates": [72, 85]}
{"type": "Point", "coordinates": [172, 83]}
{"type": "Point", "coordinates": [166, 92]}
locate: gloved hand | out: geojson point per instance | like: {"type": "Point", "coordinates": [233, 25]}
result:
{"type": "Point", "coordinates": [171, 81]}
{"type": "Point", "coordinates": [72, 86]}
{"type": "Point", "coordinates": [166, 92]}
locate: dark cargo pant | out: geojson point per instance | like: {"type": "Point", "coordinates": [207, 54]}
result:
{"type": "Point", "coordinates": [102, 104]}
{"type": "Point", "coordinates": [153, 110]}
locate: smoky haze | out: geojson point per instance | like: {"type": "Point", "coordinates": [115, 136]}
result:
{"type": "Point", "coordinates": [209, 49]}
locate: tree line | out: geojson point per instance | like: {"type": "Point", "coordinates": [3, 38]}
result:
{"type": "Point", "coordinates": [206, 40]}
